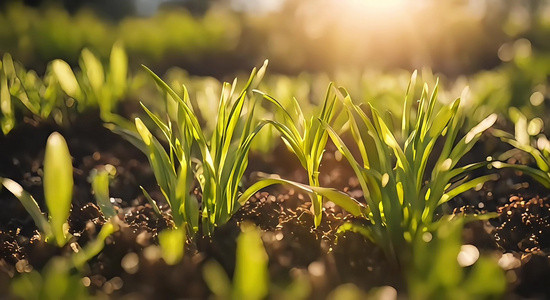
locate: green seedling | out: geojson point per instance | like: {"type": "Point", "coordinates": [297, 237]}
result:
{"type": "Point", "coordinates": [100, 179]}
{"type": "Point", "coordinates": [19, 87]}
{"type": "Point", "coordinates": [55, 281]}
{"type": "Point", "coordinates": [444, 268]}
{"type": "Point", "coordinates": [58, 189]}
{"type": "Point", "coordinates": [58, 280]}
{"type": "Point", "coordinates": [251, 278]}
{"type": "Point", "coordinates": [307, 139]}
{"type": "Point", "coordinates": [61, 277]}
{"type": "Point", "coordinates": [172, 244]}
{"type": "Point", "coordinates": [100, 185]}
{"type": "Point", "coordinates": [7, 118]}
{"type": "Point", "coordinates": [527, 138]}
{"type": "Point", "coordinates": [93, 248]}
{"type": "Point", "coordinates": [216, 163]}
{"type": "Point", "coordinates": [401, 194]}
{"type": "Point", "coordinates": [96, 85]}
{"type": "Point", "coordinates": [43, 96]}
{"type": "Point", "coordinates": [305, 87]}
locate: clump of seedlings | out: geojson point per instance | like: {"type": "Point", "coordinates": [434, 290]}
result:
{"type": "Point", "coordinates": [216, 163]}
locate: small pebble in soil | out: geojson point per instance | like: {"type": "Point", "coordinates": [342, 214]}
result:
{"type": "Point", "coordinates": [152, 253]}
{"type": "Point", "coordinates": [86, 281]}
{"type": "Point", "coordinates": [468, 255]}
{"type": "Point", "coordinates": [130, 263]}
{"type": "Point", "coordinates": [508, 261]}
{"type": "Point", "coordinates": [23, 266]}
{"type": "Point", "coordinates": [316, 268]}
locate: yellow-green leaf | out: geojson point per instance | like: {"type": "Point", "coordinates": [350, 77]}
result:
{"type": "Point", "coordinates": [58, 184]}
{"type": "Point", "coordinates": [172, 244]}
{"type": "Point", "coordinates": [251, 280]}
{"type": "Point", "coordinates": [94, 70]}
{"type": "Point", "coordinates": [29, 204]}
{"type": "Point", "coordinates": [66, 78]}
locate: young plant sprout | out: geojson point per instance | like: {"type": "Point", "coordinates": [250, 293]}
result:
{"type": "Point", "coordinates": [217, 166]}
{"type": "Point", "coordinates": [444, 268]}
{"type": "Point", "coordinates": [402, 197]}
{"type": "Point", "coordinates": [97, 85]}
{"type": "Point", "coordinates": [307, 139]}
{"type": "Point", "coordinates": [25, 88]}
{"type": "Point", "coordinates": [251, 278]}
{"type": "Point", "coordinates": [58, 189]}
{"type": "Point", "coordinates": [100, 178]}
{"type": "Point", "coordinates": [7, 116]}
{"type": "Point", "coordinates": [527, 138]}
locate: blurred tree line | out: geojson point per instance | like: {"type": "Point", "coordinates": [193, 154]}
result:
{"type": "Point", "coordinates": [118, 9]}
{"type": "Point", "coordinates": [220, 37]}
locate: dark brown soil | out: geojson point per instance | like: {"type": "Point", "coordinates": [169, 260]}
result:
{"type": "Point", "coordinates": [323, 256]}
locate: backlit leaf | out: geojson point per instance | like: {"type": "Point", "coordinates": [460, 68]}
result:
{"type": "Point", "coordinates": [58, 184]}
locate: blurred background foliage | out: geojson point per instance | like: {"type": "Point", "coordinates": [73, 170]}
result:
{"type": "Point", "coordinates": [497, 48]}
{"type": "Point", "coordinates": [220, 37]}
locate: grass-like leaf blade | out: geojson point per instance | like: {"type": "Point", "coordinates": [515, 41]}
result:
{"type": "Point", "coordinates": [58, 184]}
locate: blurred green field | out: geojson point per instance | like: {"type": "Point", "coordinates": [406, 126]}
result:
{"type": "Point", "coordinates": [451, 37]}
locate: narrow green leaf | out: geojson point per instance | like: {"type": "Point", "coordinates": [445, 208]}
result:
{"type": "Point", "coordinates": [542, 162]}
{"type": "Point", "coordinates": [216, 279]}
{"type": "Point", "coordinates": [343, 200]}
{"type": "Point", "coordinates": [158, 158]}
{"type": "Point", "coordinates": [387, 136]}
{"type": "Point", "coordinates": [407, 105]}
{"type": "Point", "coordinates": [184, 204]}
{"type": "Point", "coordinates": [294, 142]}
{"type": "Point", "coordinates": [100, 186]}
{"type": "Point", "coordinates": [468, 141]}
{"type": "Point", "coordinates": [251, 279]}
{"type": "Point", "coordinates": [94, 247]}
{"type": "Point", "coordinates": [66, 78]}
{"type": "Point", "coordinates": [191, 118]}
{"type": "Point", "coordinates": [538, 175]}
{"type": "Point", "coordinates": [30, 205]}
{"type": "Point", "coordinates": [8, 66]}
{"type": "Point", "coordinates": [94, 70]}
{"type": "Point", "coordinates": [367, 177]}
{"type": "Point", "coordinates": [58, 184]}
{"type": "Point", "coordinates": [128, 134]}
{"type": "Point", "coordinates": [520, 122]}
{"type": "Point", "coordinates": [172, 244]}
{"type": "Point", "coordinates": [363, 230]}
{"type": "Point", "coordinates": [421, 116]}
{"type": "Point", "coordinates": [290, 124]}
{"type": "Point", "coordinates": [7, 120]}
{"type": "Point", "coordinates": [162, 126]}
{"type": "Point", "coordinates": [456, 172]}
{"type": "Point", "coordinates": [431, 106]}
{"type": "Point", "coordinates": [466, 186]}
{"type": "Point", "coordinates": [151, 201]}
{"type": "Point", "coordinates": [118, 70]}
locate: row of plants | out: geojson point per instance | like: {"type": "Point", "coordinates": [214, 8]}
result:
{"type": "Point", "coordinates": [402, 193]}
{"type": "Point", "coordinates": [520, 82]}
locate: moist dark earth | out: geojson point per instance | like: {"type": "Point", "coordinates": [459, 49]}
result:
{"type": "Point", "coordinates": [296, 250]}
